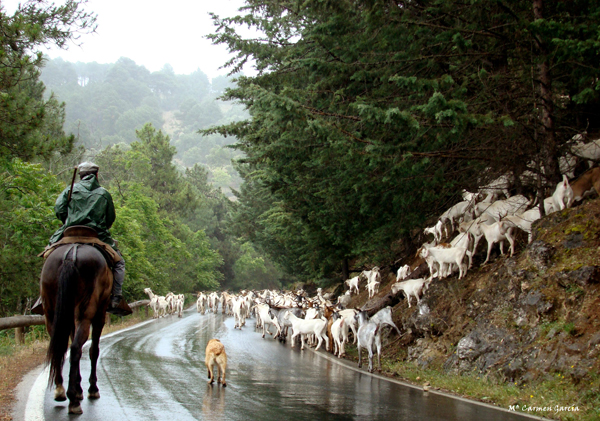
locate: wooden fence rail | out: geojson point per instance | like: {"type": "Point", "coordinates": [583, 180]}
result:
{"type": "Point", "coordinates": [15, 322]}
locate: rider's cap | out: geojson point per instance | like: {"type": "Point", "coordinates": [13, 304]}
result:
{"type": "Point", "coordinates": [86, 167]}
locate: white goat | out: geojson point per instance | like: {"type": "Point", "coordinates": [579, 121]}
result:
{"type": "Point", "coordinates": [179, 303]}
{"type": "Point", "coordinates": [163, 306]}
{"type": "Point", "coordinates": [567, 164]}
{"type": "Point", "coordinates": [496, 187]}
{"type": "Point", "coordinates": [373, 288]}
{"type": "Point", "coordinates": [510, 206]}
{"type": "Point", "coordinates": [384, 317]}
{"type": "Point", "coordinates": [266, 318]}
{"type": "Point", "coordinates": [403, 273]}
{"type": "Point", "coordinates": [412, 287]}
{"type": "Point", "coordinates": [470, 197]}
{"type": "Point", "coordinates": [153, 303]}
{"type": "Point", "coordinates": [549, 205]}
{"type": "Point", "coordinates": [353, 283]}
{"type": "Point", "coordinates": [497, 233]}
{"type": "Point", "coordinates": [472, 227]}
{"type": "Point", "coordinates": [589, 151]}
{"type": "Point", "coordinates": [524, 220]}
{"type": "Point", "coordinates": [348, 316]}
{"type": "Point", "coordinates": [444, 256]}
{"type": "Point", "coordinates": [369, 334]}
{"type": "Point", "coordinates": [170, 298]}
{"type": "Point", "coordinates": [456, 212]}
{"type": "Point", "coordinates": [464, 240]}
{"type": "Point", "coordinates": [373, 280]}
{"type": "Point", "coordinates": [286, 324]}
{"type": "Point", "coordinates": [239, 315]}
{"type": "Point", "coordinates": [201, 303]}
{"type": "Point", "coordinates": [302, 327]}
{"type": "Point", "coordinates": [436, 230]}
{"type": "Point", "coordinates": [336, 333]}
{"type": "Point", "coordinates": [563, 195]}
{"type": "Point", "coordinates": [213, 302]}
{"type": "Point", "coordinates": [344, 299]}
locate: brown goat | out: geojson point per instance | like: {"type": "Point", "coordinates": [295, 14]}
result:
{"type": "Point", "coordinates": [584, 184]}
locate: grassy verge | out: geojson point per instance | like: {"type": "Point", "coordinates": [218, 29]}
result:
{"type": "Point", "coordinates": [558, 395]}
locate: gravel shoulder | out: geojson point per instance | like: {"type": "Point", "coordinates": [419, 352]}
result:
{"type": "Point", "coordinates": [15, 369]}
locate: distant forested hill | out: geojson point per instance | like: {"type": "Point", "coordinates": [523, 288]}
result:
{"type": "Point", "coordinates": [107, 103]}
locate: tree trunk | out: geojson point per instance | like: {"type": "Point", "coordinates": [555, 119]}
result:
{"type": "Point", "coordinates": [345, 269]}
{"type": "Point", "coordinates": [548, 135]}
{"type": "Point", "coordinates": [373, 306]}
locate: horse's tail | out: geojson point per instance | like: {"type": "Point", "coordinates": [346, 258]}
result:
{"type": "Point", "coordinates": [64, 317]}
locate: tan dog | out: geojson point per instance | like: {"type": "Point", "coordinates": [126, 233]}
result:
{"type": "Point", "coordinates": [215, 353]}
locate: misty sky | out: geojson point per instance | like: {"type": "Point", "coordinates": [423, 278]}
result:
{"type": "Point", "coordinates": [152, 34]}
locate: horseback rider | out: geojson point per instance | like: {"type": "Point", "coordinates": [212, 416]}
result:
{"type": "Point", "coordinates": [91, 205]}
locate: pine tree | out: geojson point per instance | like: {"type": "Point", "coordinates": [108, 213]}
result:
{"type": "Point", "coordinates": [369, 117]}
{"type": "Point", "coordinates": [30, 125]}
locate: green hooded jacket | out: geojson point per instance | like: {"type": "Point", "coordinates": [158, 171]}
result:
{"type": "Point", "coordinates": [91, 205]}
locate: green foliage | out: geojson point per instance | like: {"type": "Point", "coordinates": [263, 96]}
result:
{"type": "Point", "coordinates": [159, 253]}
{"type": "Point", "coordinates": [31, 126]}
{"type": "Point", "coordinates": [27, 196]}
{"type": "Point", "coordinates": [368, 118]}
{"type": "Point", "coordinates": [154, 206]}
{"type": "Point", "coordinates": [252, 271]}
{"type": "Point", "coordinates": [171, 226]}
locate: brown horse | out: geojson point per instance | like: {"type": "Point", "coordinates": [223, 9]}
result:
{"type": "Point", "coordinates": [75, 284]}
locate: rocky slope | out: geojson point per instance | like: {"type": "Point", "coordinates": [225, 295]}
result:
{"type": "Point", "coordinates": [523, 319]}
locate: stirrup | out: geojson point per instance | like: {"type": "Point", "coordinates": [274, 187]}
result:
{"type": "Point", "coordinates": [121, 309]}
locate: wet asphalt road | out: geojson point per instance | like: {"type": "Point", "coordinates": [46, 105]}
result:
{"type": "Point", "coordinates": [156, 372]}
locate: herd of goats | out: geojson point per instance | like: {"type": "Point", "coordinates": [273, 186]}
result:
{"type": "Point", "coordinates": [314, 319]}
{"type": "Point", "coordinates": [317, 319]}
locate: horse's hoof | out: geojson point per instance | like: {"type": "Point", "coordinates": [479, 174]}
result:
{"type": "Point", "coordinates": [79, 396]}
{"type": "Point", "coordinates": [75, 409]}
{"type": "Point", "coordinates": [224, 384]}
{"type": "Point", "coordinates": [94, 395]}
{"type": "Point", "coordinates": [59, 394]}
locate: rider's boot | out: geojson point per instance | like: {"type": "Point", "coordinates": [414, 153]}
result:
{"type": "Point", "coordinates": [117, 304]}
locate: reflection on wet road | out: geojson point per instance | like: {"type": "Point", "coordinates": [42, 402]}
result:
{"type": "Point", "coordinates": [156, 372]}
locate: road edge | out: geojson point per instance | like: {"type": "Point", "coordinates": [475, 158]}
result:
{"type": "Point", "coordinates": [31, 390]}
{"type": "Point", "coordinates": [348, 364]}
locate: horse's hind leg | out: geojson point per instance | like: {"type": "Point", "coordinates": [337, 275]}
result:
{"type": "Point", "coordinates": [97, 326]}
{"type": "Point", "coordinates": [59, 393]}
{"type": "Point", "coordinates": [74, 392]}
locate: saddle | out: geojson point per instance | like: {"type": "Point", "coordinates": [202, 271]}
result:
{"type": "Point", "coordinates": [81, 234]}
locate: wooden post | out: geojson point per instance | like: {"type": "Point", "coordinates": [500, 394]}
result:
{"type": "Point", "coordinates": [107, 320]}
{"type": "Point", "coordinates": [20, 335]}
